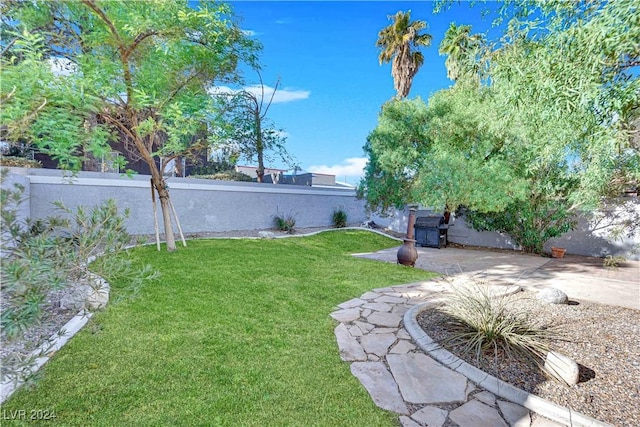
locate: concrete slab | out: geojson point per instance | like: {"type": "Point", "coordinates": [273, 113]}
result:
{"type": "Point", "coordinates": [579, 277]}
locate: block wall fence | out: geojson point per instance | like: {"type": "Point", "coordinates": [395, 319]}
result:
{"type": "Point", "coordinates": [202, 205]}
{"type": "Point", "coordinates": [215, 206]}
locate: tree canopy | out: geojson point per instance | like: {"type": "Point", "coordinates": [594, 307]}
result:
{"type": "Point", "coordinates": [142, 71]}
{"type": "Point", "coordinates": [543, 125]}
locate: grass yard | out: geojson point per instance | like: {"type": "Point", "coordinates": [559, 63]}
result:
{"type": "Point", "coordinates": [235, 333]}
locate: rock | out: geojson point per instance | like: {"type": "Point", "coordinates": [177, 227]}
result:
{"type": "Point", "coordinates": [402, 347]}
{"type": "Point", "coordinates": [474, 413]}
{"type": "Point", "coordinates": [98, 298]}
{"type": "Point", "coordinates": [410, 370]}
{"type": "Point", "coordinates": [486, 398]}
{"type": "Point", "coordinates": [349, 348]}
{"type": "Point", "coordinates": [377, 344]}
{"type": "Point", "coordinates": [516, 415]}
{"type": "Point", "coordinates": [431, 416]}
{"type": "Point", "coordinates": [375, 377]}
{"type": "Point", "coordinates": [352, 303]}
{"type": "Point", "coordinates": [408, 422]}
{"type": "Point", "coordinates": [552, 296]}
{"type": "Point", "coordinates": [346, 315]}
{"type": "Point", "coordinates": [384, 319]}
{"type": "Point", "coordinates": [562, 368]}
{"type": "Point", "coordinates": [377, 306]}
{"type": "Point", "coordinates": [266, 235]}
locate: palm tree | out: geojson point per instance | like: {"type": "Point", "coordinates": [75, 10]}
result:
{"type": "Point", "coordinates": [398, 41]}
{"type": "Point", "coordinates": [461, 48]}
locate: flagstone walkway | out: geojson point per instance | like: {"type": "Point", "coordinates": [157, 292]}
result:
{"type": "Point", "coordinates": [401, 377]}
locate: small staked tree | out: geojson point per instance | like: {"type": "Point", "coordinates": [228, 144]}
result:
{"type": "Point", "coordinates": [143, 69]}
{"type": "Point", "coordinates": [399, 43]}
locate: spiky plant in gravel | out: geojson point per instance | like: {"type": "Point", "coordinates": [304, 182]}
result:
{"type": "Point", "coordinates": [483, 323]}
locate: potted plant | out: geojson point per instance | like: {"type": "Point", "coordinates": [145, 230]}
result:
{"type": "Point", "coordinates": [557, 252]}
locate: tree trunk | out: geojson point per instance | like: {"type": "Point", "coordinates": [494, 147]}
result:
{"type": "Point", "coordinates": [259, 147]}
{"type": "Point", "coordinates": [163, 195]}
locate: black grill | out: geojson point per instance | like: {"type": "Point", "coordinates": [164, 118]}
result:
{"type": "Point", "coordinates": [431, 231]}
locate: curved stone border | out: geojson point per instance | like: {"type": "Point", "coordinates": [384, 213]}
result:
{"type": "Point", "coordinates": [286, 236]}
{"type": "Point", "coordinates": [500, 388]}
{"type": "Point", "coordinates": [48, 348]}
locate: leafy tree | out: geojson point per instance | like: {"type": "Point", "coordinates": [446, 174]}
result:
{"type": "Point", "coordinates": [145, 68]}
{"type": "Point", "coordinates": [546, 130]}
{"type": "Point", "coordinates": [399, 43]}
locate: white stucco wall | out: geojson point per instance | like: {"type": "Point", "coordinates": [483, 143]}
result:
{"type": "Point", "coordinates": [202, 205]}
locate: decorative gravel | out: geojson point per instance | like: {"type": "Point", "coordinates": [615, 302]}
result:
{"type": "Point", "coordinates": [603, 340]}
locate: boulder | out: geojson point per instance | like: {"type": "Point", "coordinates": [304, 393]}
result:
{"type": "Point", "coordinates": [553, 296]}
{"type": "Point", "coordinates": [562, 368]}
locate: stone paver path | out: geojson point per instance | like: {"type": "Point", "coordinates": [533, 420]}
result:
{"type": "Point", "coordinates": [401, 378]}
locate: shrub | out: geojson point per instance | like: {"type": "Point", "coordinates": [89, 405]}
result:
{"type": "Point", "coordinates": [229, 175]}
{"type": "Point", "coordinates": [285, 223]}
{"type": "Point", "coordinates": [613, 261]}
{"type": "Point", "coordinates": [339, 218]}
{"type": "Point", "coordinates": [42, 256]}
{"type": "Point", "coordinates": [19, 162]}
{"type": "Point", "coordinates": [483, 324]}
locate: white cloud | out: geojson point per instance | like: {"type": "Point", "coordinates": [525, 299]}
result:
{"type": "Point", "coordinates": [350, 167]}
{"type": "Point", "coordinates": [250, 33]}
{"type": "Point", "coordinates": [281, 95]}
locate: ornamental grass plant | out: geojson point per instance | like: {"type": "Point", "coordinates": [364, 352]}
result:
{"type": "Point", "coordinates": [488, 326]}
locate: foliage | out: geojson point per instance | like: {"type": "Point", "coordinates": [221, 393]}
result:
{"type": "Point", "coordinates": [613, 261]}
{"type": "Point", "coordinates": [339, 218]}
{"type": "Point", "coordinates": [142, 72]}
{"type": "Point", "coordinates": [19, 162]}
{"type": "Point", "coordinates": [539, 124]}
{"type": "Point", "coordinates": [260, 322]}
{"type": "Point", "coordinates": [399, 43]}
{"type": "Point", "coordinates": [461, 49]}
{"type": "Point", "coordinates": [228, 175]}
{"type": "Point", "coordinates": [38, 107]}
{"type": "Point", "coordinates": [529, 223]}
{"type": "Point", "coordinates": [285, 223]}
{"type": "Point", "coordinates": [485, 324]}
{"type": "Point", "coordinates": [51, 253]}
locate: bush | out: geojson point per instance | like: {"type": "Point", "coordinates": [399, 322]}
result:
{"type": "Point", "coordinates": [339, 218]}
{"type": "Point", "coordinates": [285, 223]}
{"type": "Point", "coordinates": [229, 175]}
{"type": "Point", "coordinates": [42, 256]}
{"type": "Point", "coordinates": [19, 162]}
{"type": "Point", "coordinates": [485, 324]}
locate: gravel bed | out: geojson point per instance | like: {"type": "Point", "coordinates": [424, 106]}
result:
{"type": "Point", "coordinates": [603, 340]}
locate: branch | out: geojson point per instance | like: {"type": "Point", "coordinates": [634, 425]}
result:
{"type": "Point", "coordinates": [139, 39]}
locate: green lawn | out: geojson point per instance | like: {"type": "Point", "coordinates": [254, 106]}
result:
{"type": "Point", "coordinates": [235, 332]}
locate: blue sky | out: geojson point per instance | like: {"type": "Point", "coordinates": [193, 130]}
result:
{"type": "Point", "coordinates": [332, 86]}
